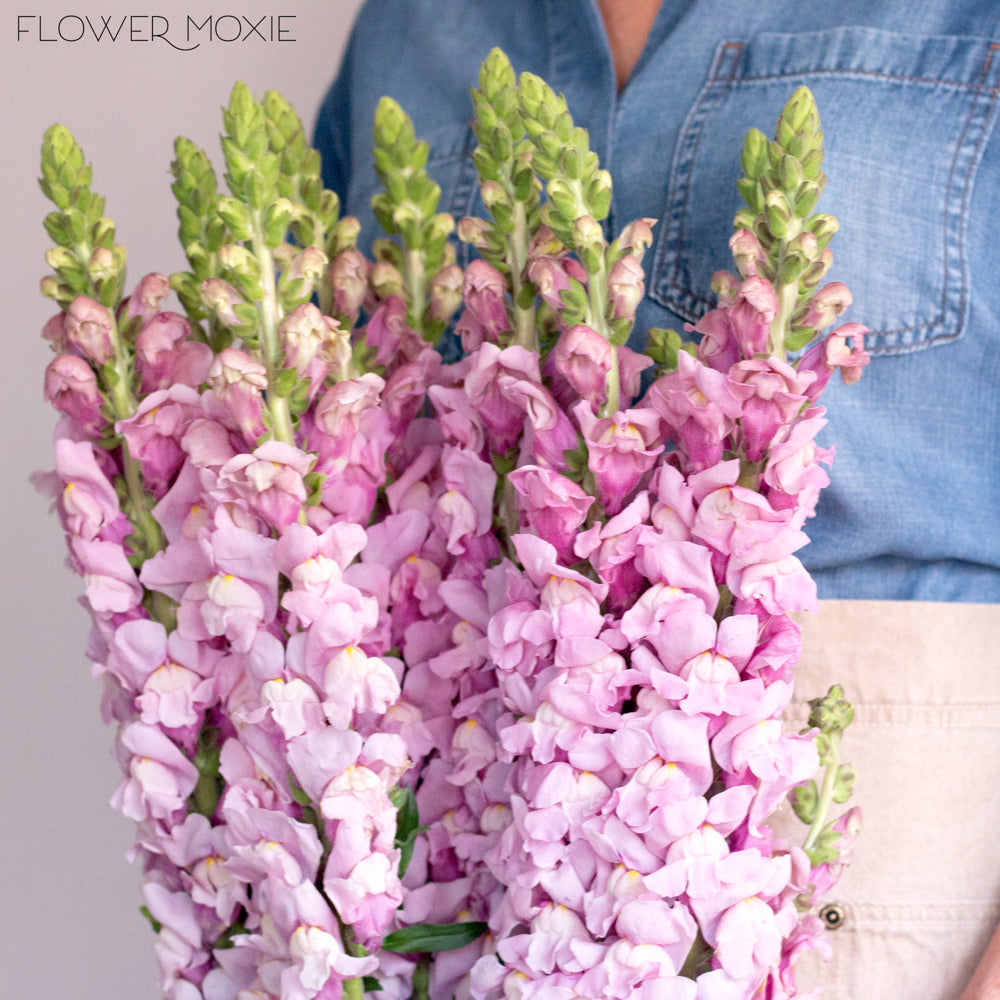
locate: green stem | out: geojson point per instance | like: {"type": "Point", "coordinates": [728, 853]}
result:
{"type": "Point", "coordinates": [281, 417]}
{"type": "Point", "coordinates": [517, 260]}
{"type": "Point", "coordinates": [124, 405]}
{"type": "Point", "coordinates": [415, 282]}
{"type": "Point", "coordinates": [826, 792]}
{"type": "Point", "coordinates": [597, 296]}
{"type": "Point", "coordinates": [781, 324]}
{"type": "Point", "coordinates": [422, 979]}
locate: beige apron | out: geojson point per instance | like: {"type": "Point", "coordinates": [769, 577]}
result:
{"type": "Point", "coordinates": [921, 898]}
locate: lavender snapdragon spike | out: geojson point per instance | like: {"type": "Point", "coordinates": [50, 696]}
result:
{"type": "Point", "coordinates": [216, 474]}
{"type": "Point", "coordinates": [641, 633]}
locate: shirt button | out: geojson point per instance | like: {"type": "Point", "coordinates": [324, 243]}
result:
{"type": "Point", "coordinates": [833, 916]}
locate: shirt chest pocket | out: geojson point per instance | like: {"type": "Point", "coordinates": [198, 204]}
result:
{"type": "Point", "coordinates": [906, 121]}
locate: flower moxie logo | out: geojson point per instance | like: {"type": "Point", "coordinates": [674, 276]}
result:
{"type": "Point", "coordinates": [195, 30]}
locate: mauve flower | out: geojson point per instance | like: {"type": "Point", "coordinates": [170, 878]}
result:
{"type": "Point", "coordinates": [314, 345]}
{"type": "Point", "coordinates": [751, 313]}
{"type": "Point", "coordinates": [238, 381]}
{"type": "Point", "coordinates": [110, 581]}
{"type": "Point", "coordinates": [90, 328]}
{"type": "Point", "coordinates": [484, 292]}
{"type": "Point", "coordinates": [701, 405]}
{"type": "Point", "coordinates": [348, 277]}
{"type": "Point", "coordinates": [553, 506]}
{"type": "Point", "coordinates": [167, 356]}
{"type": "Point", "coordinates": [388, 331]}
{"type": "Point", "coordinates": [71, 387]}
{"type": "Point", "coordinates": [502, 416]}
{"type": "Point", "coordinates": [584, 358]}
{"type": "Point", "coordinates": [748, 941]}
{"type": "Point", "coordinates": [621, 449]}
{"type": "Point", "coordinates": [626, 286]}
{"type": "Point", "coordinates": [88, 504]}
{"type": "Point", "coordinates": [270, 481]}
{"type": "Point", "coordinates": [844, 348]}
{"type": "Point", "coordinates": [147, 295]}
{"type": "Point", "coordinates": [718, 347]}
{"type": "Point", "coordinates": [220, 297]}
{"type": "Point", "coordinates": [155, 431]}
{"type": "Point", "coordinates": [354, 683]}
{"type": "Point", "coordinates": [466, 506]}
{"type": "Point", "coordinates": [159, 779]}
{"type": "Point", "coordinates": [779, 392]}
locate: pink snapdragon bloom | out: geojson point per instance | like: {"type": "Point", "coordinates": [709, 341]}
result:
{"type": "Point", "coordinates": [484, 291]}
{"type": "Point", "coordinates": [621, 449]}
{"type": "Point", "coordinates": [793, 473]}
{"type": "Point", "coordinates": [779, 393]}
{"type": "Point", "coordinates": [701, 405]}
{"type": "Point", "coordinates": [553, 506]}
{"type": "Point", "coordinates": [220, 297]}
{"type": "Point", "coordinates": [747, 252]}
{"type": "Point", "coordinates": [225, 582]}
{"type": "Point", "coordinates": [269, 481]}
{"type": "Point", "coordinates": [502, 416]}
{"type": "Point", "coordinates": [167, 356]}
{"type": "Point", "coordinates": [626, 284]}
{"type": "Point", "coordinates": [90, 329]}
{"type": "Point", "coordinates": [583, 357]}
{"type": "Point", "coordinates": [159, 777]}
{"type": "Point", "coordinates": [348, 277]}
{"type": "Point", "coordinates": [71, 387]}
{"type": "Point", "coordinates": [466, 507]}
{"type": "Point", "coordinates": [315, 345]}
{"type": "Point", "coordinates": [146, 297]}
{"type": "Point", "coordinates": [843, 349]}
{"type": "Point", "coordinates": [388, 331]}
{"type": "Point", "coordinates": [549, 276]}
{"type": "Point", "coordinates": [827, 304]}
{"type": "Point", "coordinates": [238, 380]}
{"type": "Point", "coordinates": [88, 504]}
{"type": "Point", "coordinates": [154, 433]}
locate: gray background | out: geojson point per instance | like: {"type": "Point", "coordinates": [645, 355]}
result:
{"type": "Point", "coordinates": [69, 901]}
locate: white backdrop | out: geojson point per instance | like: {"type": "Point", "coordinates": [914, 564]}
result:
{"type": "Point", "coordinates": [70, 926]}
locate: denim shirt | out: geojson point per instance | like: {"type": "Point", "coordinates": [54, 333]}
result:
{"type": "Point", "coordinates": [907, 94]}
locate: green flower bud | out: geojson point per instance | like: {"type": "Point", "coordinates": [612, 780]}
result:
{"type": "Point", "coordinates": [236, 216]}
{"type": "Point", "coordinates": [587, 233]}
{"type": "Point", "coordinates": [571, 162]}
{"type": "Point", "coordinates": [754, 154]}
{"type": "Point", "coordinates": [473, 230]}
{"type": "Point", "coordinates": [102, 265]}
{"type": "Point", "coordinates": [59, 258]}
{"type": "Point", "coordinates": [445, 293]}
{"type": "Point", "coordinates": [239, 260]}
{"type": "Point", "coordinates": [805, 200]}
{"type": "Point", "coordinates": [779, 214]}
{"type": "Point", "coordinates": [442, 225]}
{"type": "Point", "coordinates": [599, 194]}
{"type": "Point", "coordinates": [789, 173]}
{"type": "Point", "coordinates": [54, 289]}
{"type": "Point", "coordinates": [386, 279]}
{"type": "Point", "coordinates": [344, 235]}
{"type": "Point", "coordinates": [831, 713]}
{"type": "Point", "coordinates": [812, 164]}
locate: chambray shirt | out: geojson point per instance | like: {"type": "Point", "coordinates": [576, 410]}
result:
{"type": "Point", "coordinates": [907, 94]}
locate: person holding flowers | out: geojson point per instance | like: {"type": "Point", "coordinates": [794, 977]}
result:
{"type": "Point", "coordinates": [661, 89]}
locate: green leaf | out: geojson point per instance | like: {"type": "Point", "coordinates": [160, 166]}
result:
{"type": "Point", "coordinates": [154, 923]}
{"type": "Point", "coordinates": [434, 937]}
{"type": "Point", "coordinates": [369, 984]}
{"type": "Point", "coordinates": [407, 817]}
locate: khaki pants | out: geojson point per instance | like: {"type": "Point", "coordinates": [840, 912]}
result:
{"type": "Point", "coordinates": [921, 897]}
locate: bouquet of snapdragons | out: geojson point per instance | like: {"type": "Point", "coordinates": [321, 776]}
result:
{"type": "Point", "coordinates": [453, 679]}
